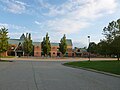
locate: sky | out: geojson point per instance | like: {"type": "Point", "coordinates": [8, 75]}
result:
{"type": "Point", "coordinates": [78, 19]}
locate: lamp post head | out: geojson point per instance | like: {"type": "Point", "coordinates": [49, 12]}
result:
{"type": "Point", "coordinates": [88, 36]}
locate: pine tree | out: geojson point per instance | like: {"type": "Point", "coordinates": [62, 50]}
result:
{"type": "Point", "coordinates": [46, 46]}
{"type": "Point", "coordinates": [63, 45]}
{"type": "Point", "coordinates": [27, 44]}
{"type": "Point", "coordinates": [3, 40]}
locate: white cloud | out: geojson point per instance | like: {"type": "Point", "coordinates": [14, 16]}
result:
{"type": "Point", "coordinates": [4, 25]}
{"type": "Point", "coordinates": [38, 23]}
{"type": "Point", "coordinates": [75, 15]}
{"type": "Point", "coordinates": [14, 6]}
{"type": "Point", "coordinates": [83, 8]}
{"type": "Point", "coordinates": [65, 25]}
{"type": "Point", "coordinates": [16, 29]}
{"type": "Point", "coordinates": [12, 26]}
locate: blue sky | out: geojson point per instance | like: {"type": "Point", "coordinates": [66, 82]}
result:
{"type": "Point", "coordinates": [75, 18]}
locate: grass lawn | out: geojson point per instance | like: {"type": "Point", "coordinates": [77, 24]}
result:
{"type": "Point", "coordinates": [7, 56]}
{"type": "Point", "coordinates": [106, 66]}
{"type": "Point", "coordinates": [5, 61]}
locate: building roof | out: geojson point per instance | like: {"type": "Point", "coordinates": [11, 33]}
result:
{"type": "Point", "coordinates": [83, 50]}
{"type": "Point", "coordinates": [15, 41]}
{"type": "Point", "coordinates": [55, 44]}
{"type": "Point", "coordinates": [22, 37]}
{"type": "Point", "coordinates": [37, 43]}
{"type": "Point", "coordinates": [69, 42]}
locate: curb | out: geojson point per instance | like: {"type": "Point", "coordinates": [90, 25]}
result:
{"type": "Point", "coordinates": [92, 70]}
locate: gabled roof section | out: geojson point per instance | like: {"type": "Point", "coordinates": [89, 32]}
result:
{"type": "Point", "coordinates": [55, 44]}
{"type": "Point", "coordinates": [83, 50]}
{"type": "Point", "coordinates": [69, 42]}
{"type": "Point", "coordinates": [36, 43]}
{"type": "Point", "coordinates": [15, 41]}
{"type": "Point", "coordinates": [22, 37]}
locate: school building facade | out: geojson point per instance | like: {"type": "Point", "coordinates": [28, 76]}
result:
{"type": "Point", "coordinates": [16, 48]}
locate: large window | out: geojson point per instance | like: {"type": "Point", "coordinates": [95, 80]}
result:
{"type": "Point", "coordinates": [37, 46]}
{"type": "Point", "coordinates": [69, 49]}
{"type": "Point", "coordinates": [53, 47]}
{"type": "Point", "coordinates": [37, 53]}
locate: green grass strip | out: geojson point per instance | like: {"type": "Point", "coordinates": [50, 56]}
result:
{"type": "Point", "coordinates": [106, 66]}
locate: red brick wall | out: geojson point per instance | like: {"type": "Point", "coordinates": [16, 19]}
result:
{"type": "Point", "coordinates": [69, 51]}
{"type": "Point", "coordinates": [37, 51]}
{"type": "Point", "coordinates": [4, 54]}
{"type": "Point", "coordinates": [53, 51]}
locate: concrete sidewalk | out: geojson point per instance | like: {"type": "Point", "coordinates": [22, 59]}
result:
{"type": "Point", "coordinates": [57, 59]}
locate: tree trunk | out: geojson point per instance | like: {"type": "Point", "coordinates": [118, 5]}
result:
{"type": "Point", "coordinates": [62, 55]}
{"type": "Point", "coordinates": [27, 55]}
{"type": "Point", "coordinates": [118, 57]}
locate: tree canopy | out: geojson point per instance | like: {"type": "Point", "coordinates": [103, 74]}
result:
{"type": "Point", "coordinates": [27, 44]}
{"type": "Point", "coordinates": [46, 46]}
{"type": "Point", "coordinates": [112, 36]}
{"type": "Point", "coordinates": [111, 44]}
{"type": "Point", "coordinates": [3, 40]}
{"type": "Point", "coordinates": [63, 45]}
{"type": "Point", "coordinates": [92, 47]}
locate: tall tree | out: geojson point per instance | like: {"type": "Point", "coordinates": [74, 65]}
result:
{"type": "Point", "coordinates": [103, 48]}
{"type": "Point", "coordinates": [46, 46]}
{"type": "Point", "coordinates": [112, 34]}
{"type": "Point", "coordinates": [3, 40]}
{"type": "Point", "coordinates": [27, 44]}
{"type": "Point", "coordinates": [111, 31]}
{"type": "Point", "coordinates": [63, 45]}
{"type": "Point", "coordinates": [92, 47]}
{"type": "Point", "coordinates": [116, 46]}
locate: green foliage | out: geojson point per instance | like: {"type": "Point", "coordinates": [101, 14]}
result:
{"type": "Point", "coordinates": [46, 46]}
{"type": "Point", "coordinates": [63, 45]}
{"type": "Point", "coordinates": [92, 47]}
{"type": "Point", "coordinates": [112, 35]}
{"type": "Point", "coordinates": [103, 48]}
{"type": "Point", "coordinates": [111, 31]}
{"type": "Point", "coordinates": [27, 44]}
{"type": "Point", "coordinates": [3, 40]}
{"type": "Point", "coordinates": [115, 44]}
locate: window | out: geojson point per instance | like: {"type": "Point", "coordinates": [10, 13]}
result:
{"type": "Point", "coordinates": [69, 49]}
{"type": "Point", "coordinates": [37, 46]}
{"type": "Point", "coordinates": [53, 47]}
{"type": "Point", "coordinates": [78, 50]}
{"type": "Point", "coordinates": [36, 52]}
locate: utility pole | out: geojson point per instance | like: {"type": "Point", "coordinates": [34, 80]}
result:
{"type": "Point", "coordinates": [88, 46]}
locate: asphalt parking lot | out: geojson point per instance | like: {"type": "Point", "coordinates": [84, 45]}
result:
{"type": "Point", "coordinates": [51, 75]}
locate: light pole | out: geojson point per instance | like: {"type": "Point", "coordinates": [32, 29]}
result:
{"type": "Point", "coordinates": [89, 47]}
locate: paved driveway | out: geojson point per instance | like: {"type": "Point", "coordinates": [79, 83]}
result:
{"type": "Point", "coordinates": [29, 75]}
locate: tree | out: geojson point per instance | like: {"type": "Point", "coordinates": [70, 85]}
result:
{"type": "Point", "coordinates": [46, 46]}
{"type": "Point", "coordinates": [3, 40]}
{"type": "Point", "coordinates": [92, 47]}
{"type": "Point", "coordinates": [111, 31]}
{"type": "Point", "coordinates": [27, 44]}
{"type": "Point", "coordinates": [116, 46]}
{"type": "Point", "coordinates": [112, 34]}
{"type": "Point", "coordinates": [103, 48]}
{"type": "Point", "coordinates": [63, 45]}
